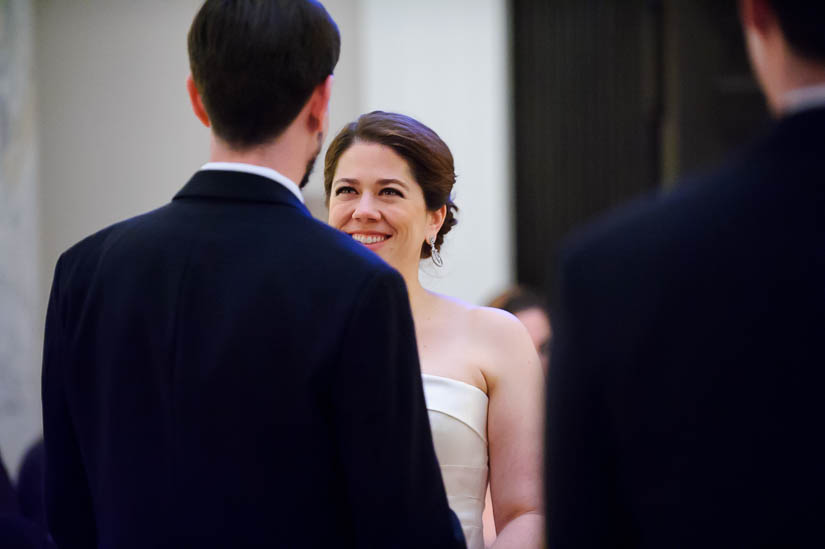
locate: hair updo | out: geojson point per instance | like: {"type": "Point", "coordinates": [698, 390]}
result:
{"type": "Point", "coordinates": [428, 157]}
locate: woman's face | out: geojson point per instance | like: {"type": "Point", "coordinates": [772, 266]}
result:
{"type": "Point", "coordinates": [375, 199]}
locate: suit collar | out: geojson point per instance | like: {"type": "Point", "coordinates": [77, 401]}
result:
{"type": "Point", "coordinates": [238, 186]}
{"type": "Point", "coordinates": [810, 115]}
{"type": "Point", "coordinates": [264, 171]}
{"type": "Point", "coordinates": [799, 130]}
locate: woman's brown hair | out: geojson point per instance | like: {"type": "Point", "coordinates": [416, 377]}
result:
{"type": "Point", "coordinates": [428, 157]}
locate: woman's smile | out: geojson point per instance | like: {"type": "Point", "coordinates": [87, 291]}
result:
{"type": "Point", "coordinates": [371, 240]}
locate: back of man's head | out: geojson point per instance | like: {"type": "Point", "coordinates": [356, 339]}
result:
{"type": "Point", "coordinates": [803, 25]}
{"type": "Point", "coordinates": [257, 62]}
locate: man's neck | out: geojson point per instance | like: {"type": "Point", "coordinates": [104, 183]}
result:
{"type": "Point", "coordinates": [277, 155]}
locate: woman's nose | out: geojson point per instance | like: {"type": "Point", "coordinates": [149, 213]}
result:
{"type": "Point", "coordinates": [366, 209]}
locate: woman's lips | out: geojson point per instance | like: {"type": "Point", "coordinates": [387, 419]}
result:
{"type": "Point", "coordinates": [370, 239]}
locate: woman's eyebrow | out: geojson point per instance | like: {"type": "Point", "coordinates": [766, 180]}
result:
{"type": "Point", "coordinates": [389, 181]}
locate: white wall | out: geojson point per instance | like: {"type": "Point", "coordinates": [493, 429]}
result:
{"type": "Point", "coordinates": [20, 322]}
{"type": "Point", "coordinates": [446, 64]}
{"type": "Point", "coordinates": [117, 135]}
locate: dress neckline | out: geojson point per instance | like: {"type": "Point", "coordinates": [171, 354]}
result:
{"type": "Point", "coordinates": [451, 380]}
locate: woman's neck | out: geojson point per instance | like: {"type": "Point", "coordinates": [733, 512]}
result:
{"type": "Point", "coordinates": [419, 296]}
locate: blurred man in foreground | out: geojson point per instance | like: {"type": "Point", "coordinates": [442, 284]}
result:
{"type": "Point", "coordinates": [685, 393]}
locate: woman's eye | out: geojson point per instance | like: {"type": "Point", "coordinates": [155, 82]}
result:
{"type": "Point", "coordinates": [344, 190]}
{"type": "Point", "coordinates": [392, 192]}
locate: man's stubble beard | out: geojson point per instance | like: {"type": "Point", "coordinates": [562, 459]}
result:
{"type": "Point", "coordinates": [311, 163]}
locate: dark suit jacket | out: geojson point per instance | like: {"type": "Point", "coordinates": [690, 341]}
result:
{"type": "Point", "coordinates": [687, 382]}
{"type": "Point", "coordinates": [18, 533]}
{"type": "Point", "coordinates": [226, 371]}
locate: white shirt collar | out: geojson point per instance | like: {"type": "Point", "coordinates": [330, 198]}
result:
{"type": "Point", "coordinates": [802, 99]}
{"type": "Point", "coordinates": [257, 170]}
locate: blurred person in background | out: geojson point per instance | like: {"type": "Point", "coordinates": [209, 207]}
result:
{"type": "Point", "coordinates": [685, 401]}
{"type": "Point", "coordinates": [388, 180]}
{"type": "Point", "coordinates": [226, 371]}
{"type": "Point", "coordinates": [531, 310]}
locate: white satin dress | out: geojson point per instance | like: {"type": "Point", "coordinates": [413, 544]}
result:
{"type": "Point", "coordinates": [458, 419]}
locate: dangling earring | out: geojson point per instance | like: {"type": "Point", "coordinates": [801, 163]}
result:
{"type": "Point", "coordinates": [436, 256]}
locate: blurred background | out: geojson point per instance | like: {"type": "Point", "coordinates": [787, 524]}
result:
{"type": "Point", "coordinates": [555, 110]}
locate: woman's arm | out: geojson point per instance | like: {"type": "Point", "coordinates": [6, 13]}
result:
{"type": "Point", "coordinates": [515, 384]}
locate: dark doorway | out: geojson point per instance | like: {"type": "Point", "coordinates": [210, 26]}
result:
{"type": "Point", "coordinates": [613, 99]}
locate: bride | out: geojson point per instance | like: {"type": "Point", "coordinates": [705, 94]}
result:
{"type": "Point", "coordinates": [388, 179]}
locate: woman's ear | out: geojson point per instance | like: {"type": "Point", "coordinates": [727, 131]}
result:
{"type": "Point", "coordinates": [436, 220]}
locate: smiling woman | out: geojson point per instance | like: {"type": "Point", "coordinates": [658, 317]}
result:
{"type": "Point", "coordinates": [417, 165]}
{"type": "Point", "coordinates": [388, 180]}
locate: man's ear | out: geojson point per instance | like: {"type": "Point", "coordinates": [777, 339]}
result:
{"type": "Point", "coordinates": [756, 15]}
{"type": "Point", "coordinates": [319, 106]}
{"type": "Point", "coordinates": [197, 103]}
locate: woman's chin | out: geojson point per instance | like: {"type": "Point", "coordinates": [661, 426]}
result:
{"type": "Point", "coordinates": [376, 246]}
{"type": "Point", "coordinates": [386, 253]}
{"type": "Point", "coordinates": [379, 248]}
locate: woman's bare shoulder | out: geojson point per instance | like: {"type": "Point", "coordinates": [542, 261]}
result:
{"type": "Point", "coordinates": [496, 335]}
{"type": "Point", "coordinates": [483, 325]}
{"type": "Point", "coordinates": [504, 341]}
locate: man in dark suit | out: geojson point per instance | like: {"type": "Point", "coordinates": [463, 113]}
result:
{"type": "Point", "coordinates": [685, 399]}
{"type": "Point", "coordinates": [226, 371]}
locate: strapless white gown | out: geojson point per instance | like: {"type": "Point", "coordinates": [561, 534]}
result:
{"type": "Point", "coordinates": [458, 419]}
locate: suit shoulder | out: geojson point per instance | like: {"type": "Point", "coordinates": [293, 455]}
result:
{"type": "Point", "coordinates": [700, 205]}
{"type": "Point", "coordinates": [98, 241]}
{"type": "Point", "coordinates": [696, 209]}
